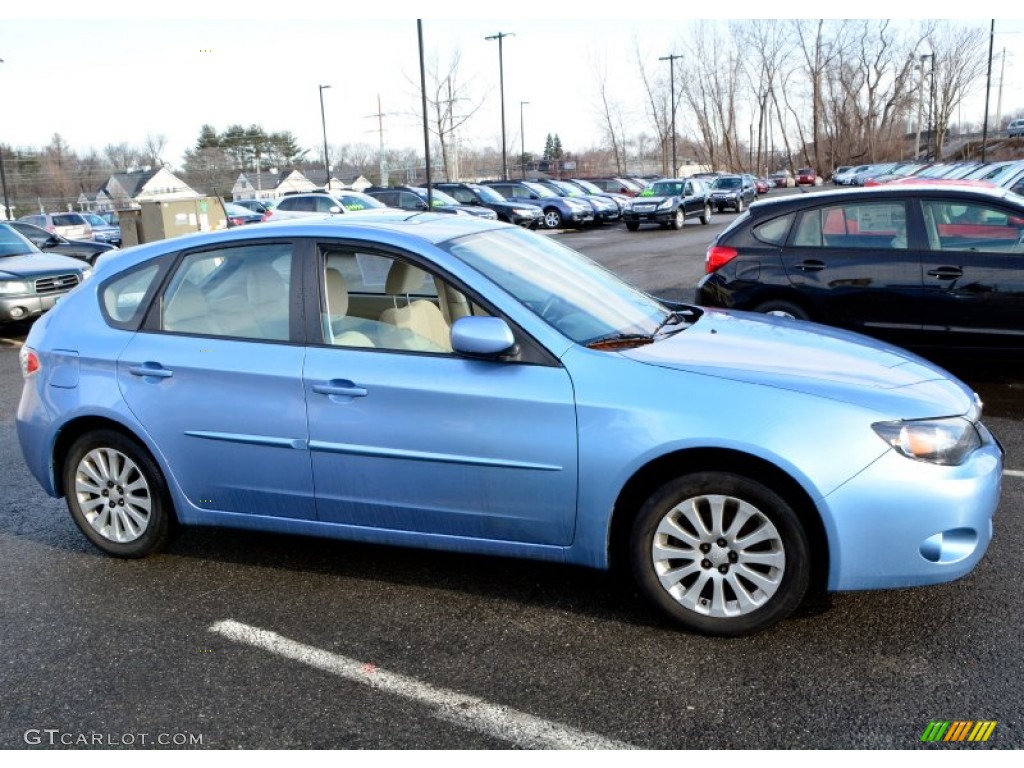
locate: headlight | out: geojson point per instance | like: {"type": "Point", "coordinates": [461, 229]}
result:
{"type": "Point", "coordinates": [86, 273]}
{"type": "Point", "coordinates": [521, 212]}
{"type": "Point", "coordinates": [938, 441]}
{"type": "Point", "coordinates": [14, 287]}
{"type": "Point", "coordinates": [665, 204]}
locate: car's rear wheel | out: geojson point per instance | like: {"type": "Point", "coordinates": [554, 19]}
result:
{"type": "Point", "coordinates": [705, 218]}
{"type": "Point", "coordinates": [783, 309]}
{"type": "Point", "coordinates": [679, 219]}
{"type": "Point", "coordinates": [720, 553]}
{"type": "Point", "coordinates": [632, 226]}
{"type": "Point", "coordinates": [552, 218]}
{"type": "Point", "coordinates": [117, 495]}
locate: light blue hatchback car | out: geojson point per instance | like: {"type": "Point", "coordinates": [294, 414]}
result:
{"type": "Point", "coordinates": [453, 383]}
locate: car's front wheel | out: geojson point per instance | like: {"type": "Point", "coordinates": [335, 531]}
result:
{"type": "Point", "coordinates": [117, 495]}
{"type": "Point", "coordinates": [679, 220]}
{"type": "Point", "coordinates": [552, 218]}
{"type": "Point", "coordinates": [740, 206]}
{"type": "Point", "coordinates": [720, 553]}
{"type": "Point", "coordinates": [632, 226]}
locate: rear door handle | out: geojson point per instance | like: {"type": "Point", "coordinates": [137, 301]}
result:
{"type": "Point", "coordinates": [810, 265]}
{"type": "Point", "coordinates": [342, 387]}
{"type": "Point", "coordinates": [946, 273]}
{"type": "Point", "coordinates": [153, 370]}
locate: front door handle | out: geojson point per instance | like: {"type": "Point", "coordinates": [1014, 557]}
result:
{"type": "Point", "coordinates": [946, 273]}
{"type": "Point", "coordinates": [342, 387]}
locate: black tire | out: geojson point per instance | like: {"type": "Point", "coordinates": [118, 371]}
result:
{"type": "Point", "coordinates": [632, 226]}
{"type": "Point", "coordinates": [771, 575]}
{"type": "Point", "coordinates": [679, 220]}
{"type": "Point", "coordinates": [781, 308]}
{"type": "Point", "coordinates": [552, 218]}
{"type": "Point", "coordinates": [740, 206]}
{"type": "Point", "coordinates": [107, 472]}
{"type": "Point", "coordinates": [705, 218]}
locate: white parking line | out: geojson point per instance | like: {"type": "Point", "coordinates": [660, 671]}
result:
{"type": "Point", "coordinates": [1013, 472]}
{"type": "Point", "coordinates": [508, 724]}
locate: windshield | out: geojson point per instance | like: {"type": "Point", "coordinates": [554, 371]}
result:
{"type": "Point", "coordinates": [358, 202]}
{"type": "Point", "coordinates": [540, 190]}
{"type": "Point", "coordinates": [488, 195]}
{"type": "Point", "coordinates": [13, 244]}
{"type": "Point", "coordinates": [587, 186]}
{"type": "Point", "coordinates": [584, 301]}
{"type": "Point", "coordinates": [726, 182]}
{"type": "Point", "coordinates": [94, 220]}
{"type": "Point", "coordinates": [663, 189]}
{"type": "Point", "coordinates": [441, 198]}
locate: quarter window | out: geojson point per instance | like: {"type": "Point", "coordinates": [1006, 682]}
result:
{"type": "Point", "coordinates": [123, 296]}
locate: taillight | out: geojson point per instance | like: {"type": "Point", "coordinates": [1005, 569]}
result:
{"type": "Point", "coordinates": [718, 256]}
{"type": "Point", "coordinates": [29, 362]}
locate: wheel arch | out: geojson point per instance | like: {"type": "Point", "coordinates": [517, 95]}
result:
{"type": "Point", "coordinates": [77, 427]}
{"type": "Point", "coordinates": [661, 470]}
{"type": "Point", "coordinates": [779, 293]}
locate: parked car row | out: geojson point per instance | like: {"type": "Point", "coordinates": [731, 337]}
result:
{"type": "Point", "coordinates": [31, 281]}
{"type": "Point", "coordinates": [76, 226]}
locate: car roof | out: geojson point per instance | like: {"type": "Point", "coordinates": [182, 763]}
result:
{"type": "Point", "coordinates": [392, 227]}
{"type": "Point", "coordinates": [781, 205]}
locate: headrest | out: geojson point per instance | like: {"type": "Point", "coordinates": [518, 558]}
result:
{"type": "Point", "coordinates": [337, 292]}
{"type": "Point", "coordinates": [265, 285]}
{"type": "Point", "coordinates": [403, 279]}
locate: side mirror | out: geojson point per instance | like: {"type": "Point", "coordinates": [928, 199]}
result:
{"type": "Point", "coordinates": [335, 209]}
{"type": "Point", "coordinates": [484, 337]}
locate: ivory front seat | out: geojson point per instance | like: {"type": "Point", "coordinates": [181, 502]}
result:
{"type": "Point", "coordinates": [337, 309]}
{"type": "Point", "coordinates": [421, 317]}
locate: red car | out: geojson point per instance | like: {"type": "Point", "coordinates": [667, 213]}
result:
{"type": "Point", "coordinates": [762, 186]}
{"type": "Point", "coordinates": [806, 176]}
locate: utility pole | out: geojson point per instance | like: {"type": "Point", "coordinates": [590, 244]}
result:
{"type": "Point", "coordinates": [988, 89]}
{"type": "Point", "coordinates": [381, 165]}
{"type": "Point", "coordinates": [501, 81]}
{"type": "Point", "coordinates": [920, 104]}
{"type": "Point", "coordinates": [671, 59]}
{"type": "Point", "coordinates": [522, 142]}
{"type": "Point", "coordinates": [3, 180]}
{"type": "Point", "coordinates": [323, 123]}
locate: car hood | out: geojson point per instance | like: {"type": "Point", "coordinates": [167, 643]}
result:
{"type": "Point", "coordinates": [651, 199]}
{"type": "Point", "coordinates": [812, 359]}
{"type": "Point", "coordinates": [32, 264]}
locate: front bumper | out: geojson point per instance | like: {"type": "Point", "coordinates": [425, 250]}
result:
{"type": "Point", "coordinates": [905, 523]}
{"type": "Point", "coordinates": [643, 215]}
{"type": "Point", "coordinates": [17, 308]}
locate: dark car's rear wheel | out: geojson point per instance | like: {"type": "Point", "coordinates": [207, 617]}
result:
{"type": "Point", "coordinates": [117, 495]}
{"type": "Point", "coordinates": [780, 308]}
{"type": "Point", "coordinates": [720, 553]}
{"type": "Point", "coordinates": [705, 218]}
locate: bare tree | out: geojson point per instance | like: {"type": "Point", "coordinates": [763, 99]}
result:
{"type": "Point", "coordinates": [960, 58]}
{"type": "Point", "coordinates": [771, 45]}
{"type": "Point", "coordinates": [658, 98]}
{"type": "Point", "coordinates": [450, 105]}
{"type": "Point", "coordinates": [612, 119]}
{"type": "Point", "coordinates": [153, 149]}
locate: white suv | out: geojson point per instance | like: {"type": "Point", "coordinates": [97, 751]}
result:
{"type": "Point", "coordinates": [321, 203]}
{"type": "Point", "coordinates": [1015, 128]}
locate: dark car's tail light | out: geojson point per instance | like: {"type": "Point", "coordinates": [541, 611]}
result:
{"type": "Point", "coordinates": [718, 256]}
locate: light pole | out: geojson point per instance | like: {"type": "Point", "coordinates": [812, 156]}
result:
{"type": "Point", "coordinates": [522, 142]}
{"type": "Point", "coordinates": [323, 123]}
{"type": "Point", "coordinates": [3, 179]}
{"type": "Point", "coordinates": [671, 59]}
{"type": "Point", "coordinates": [501, 82]}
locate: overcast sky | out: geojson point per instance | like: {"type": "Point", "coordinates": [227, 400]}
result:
{"type": "Point", "coordinates": [116, 77]}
